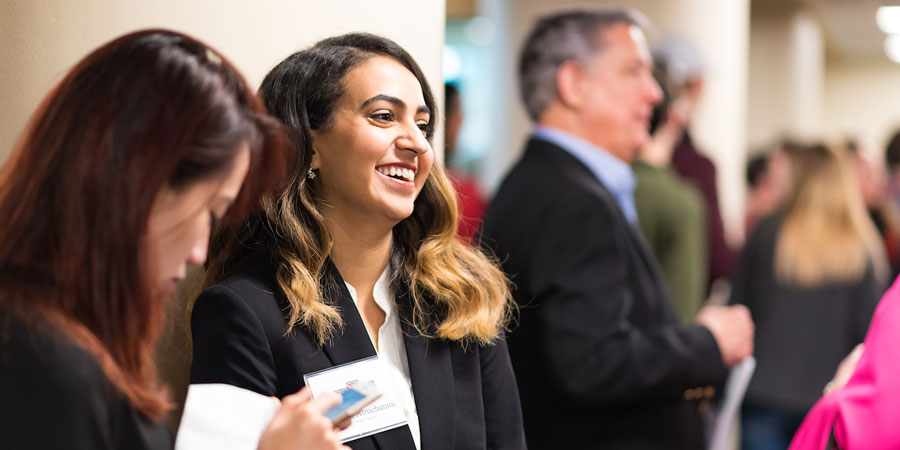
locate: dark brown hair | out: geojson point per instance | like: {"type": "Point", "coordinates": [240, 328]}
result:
{"type": "Point", "coordinates": [148, 110]}
{"type": "Point", "coordinates": [456, 291]}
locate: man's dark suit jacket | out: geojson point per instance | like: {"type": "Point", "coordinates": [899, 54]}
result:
{"type": "Point", "coordinates": [599, 355]}
{"type": "Point", "coordinates": [465, 398]}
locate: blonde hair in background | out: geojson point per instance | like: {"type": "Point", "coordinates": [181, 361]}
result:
{"type": "Point", "coordinates": [826, 235]}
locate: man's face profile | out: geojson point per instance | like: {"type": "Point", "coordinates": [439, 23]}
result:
{"type": "Point", "coordinates": [619, 92]}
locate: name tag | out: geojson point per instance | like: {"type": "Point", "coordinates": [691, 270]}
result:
{"type": "Point", "coordinates": [383, 414]}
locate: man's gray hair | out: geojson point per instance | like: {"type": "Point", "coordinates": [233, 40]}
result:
{"type": "Point", "coordinates": [571, 35]}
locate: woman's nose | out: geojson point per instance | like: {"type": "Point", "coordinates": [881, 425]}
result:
{"type": "Point", "coordinates": [197, 255]}
{"type": "Point", "coordinates": [414, 140]}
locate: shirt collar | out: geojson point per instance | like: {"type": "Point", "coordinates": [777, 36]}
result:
{"type": "Point", "coordinates": [614, 173]}
{"type": "Point", "coordinates": [381, 292]}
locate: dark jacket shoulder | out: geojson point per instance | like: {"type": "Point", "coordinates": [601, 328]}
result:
{"type": "Point", "coordinates": [56, 395]}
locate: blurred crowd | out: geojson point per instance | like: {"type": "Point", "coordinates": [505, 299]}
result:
{"type": "Point", "coordinates": [593, 302]}
{"type": "Point", "coordinates": [822, 241]}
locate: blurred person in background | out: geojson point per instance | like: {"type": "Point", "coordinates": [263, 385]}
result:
{"type": "Point", "coordinates": [472, 202]}
{"type": "Point", "coordinates": [599, 353]}
{"type": "Point", "coordinates": [685, 69]}
{"type": "Point", "coordinates": [671, 211]}
{"type": "Point", "coordinates": [767, 183]}
{"type": "Point", "coordinates": [811, 275]}
{"type": "Point", "coordinates": [892, 161]}
{"type": "Point", "coordinates": [885, 214]}
{"type": "Point", "coordinates": [859, 410]}
{"type": "Point", "coordinates": [758, 202]}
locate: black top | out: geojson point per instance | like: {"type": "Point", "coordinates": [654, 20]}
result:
{"type": "Point", "coordinates": [466, 397]}
{"type": "Point", "coordinates": [600, 357]}
{"type": "Point", "coordinates": [802, 333]}
{"type": "Point", "coordinates": [54, 395]}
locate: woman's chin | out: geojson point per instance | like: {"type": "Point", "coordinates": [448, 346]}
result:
{"type": "Point", "coordinates": [167, 288]}
{"type": "Point", "coordinates": [399, 210]}
{"type": "Point", "coordinates": [400, 215]}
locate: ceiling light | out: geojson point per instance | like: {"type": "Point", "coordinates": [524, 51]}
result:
{"type": "Point", "coordinates": [892, 47]}
{"type": "Point", "coordinates": [888, 19]}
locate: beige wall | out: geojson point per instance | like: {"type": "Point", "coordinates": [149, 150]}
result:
{"type": "Point", "coordinates": [863, 101]}
{"type": "Point", "coordinates": [719, 28]}
{"type": "Point", "coordinates": [41, 39]}
{"type": "Point", "coordinates": [796, 91]}
{"type": "Point", "coordinates": [787, 77]}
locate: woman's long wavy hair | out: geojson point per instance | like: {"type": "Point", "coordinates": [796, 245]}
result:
{"type": "Point", "coordinates": [149, 110]}
{"type": "Point", "coordinates": [826, 236]}
{"type": "Point", "coordinates": [457, 292]}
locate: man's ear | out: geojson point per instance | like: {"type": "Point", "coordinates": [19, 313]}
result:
{"type": "Point", "coordinates": [569, 78]}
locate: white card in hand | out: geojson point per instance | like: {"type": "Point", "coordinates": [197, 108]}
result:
{"type": "Point", "coordinates": [223, 417]}
{"type": "Point", "coordinates": [383, 414]}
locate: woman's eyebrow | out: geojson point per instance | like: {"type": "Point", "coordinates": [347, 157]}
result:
{"type": "Point", "coordinates": [394, 101]}
{"type": "Point", "coordinates": [386, 98]}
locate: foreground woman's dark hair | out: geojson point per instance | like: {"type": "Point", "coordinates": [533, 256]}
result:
{"type": "Point", "coordinates": [149, 110]}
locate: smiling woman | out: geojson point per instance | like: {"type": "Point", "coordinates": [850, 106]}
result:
{"type": "Point", "coordinates": [359, 258]}
{"type": "Point", "coordinates": [373, 159]}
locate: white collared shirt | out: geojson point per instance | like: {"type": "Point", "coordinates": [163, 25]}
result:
{"type": "Point", "coordinates": [392, 349]}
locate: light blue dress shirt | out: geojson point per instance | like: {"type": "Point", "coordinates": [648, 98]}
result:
{"type": "Point", "coordinates": [615, 174]}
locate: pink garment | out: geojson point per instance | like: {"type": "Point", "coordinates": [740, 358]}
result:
{"type": "Point", "coordinates": [866, 412]}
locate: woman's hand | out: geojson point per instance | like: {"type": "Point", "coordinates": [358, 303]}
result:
{"type": "Point", "coordinates": [300, 425]}
{"type": "Point", "coordinates": [844, 371]}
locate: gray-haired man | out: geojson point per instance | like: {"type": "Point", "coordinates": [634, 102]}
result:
{"type": "Point", "coordinates": [600, 357]}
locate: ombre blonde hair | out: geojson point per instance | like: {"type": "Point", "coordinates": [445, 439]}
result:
{"type": "Point", "coordinates": [826, 235]}
{"type": "Point", "coordinates": [456, 292]}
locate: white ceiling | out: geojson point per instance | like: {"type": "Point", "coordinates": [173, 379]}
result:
{"type": "Point", "coordinates": [849, 25]}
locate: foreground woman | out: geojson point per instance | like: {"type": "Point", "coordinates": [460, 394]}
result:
{"type": "Point", "coordinates": [359, 257]}
{"type": "Point", "coordinates": [124, 168]}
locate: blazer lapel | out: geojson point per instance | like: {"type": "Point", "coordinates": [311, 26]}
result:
{"type": "Point", "coordinates": [431, 371]}
{"type": "Point", "coordinates": [352, 341]}
{"type": "Point", "coordinates": [575, 169]}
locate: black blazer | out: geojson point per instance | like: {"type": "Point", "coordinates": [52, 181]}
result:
{"type": "Point", "coordinates": [599, 355]}
{"type": "Point", "coordinates": [802, 332]}
{"type": "Point", "coordinates": [465, 398]}
{"type": "Point", "coordinates": [55, 395]}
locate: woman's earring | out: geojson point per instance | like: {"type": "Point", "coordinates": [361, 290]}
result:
{"type": "Point", "coordinates": [310, 174]}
